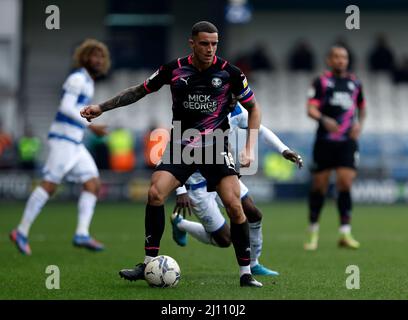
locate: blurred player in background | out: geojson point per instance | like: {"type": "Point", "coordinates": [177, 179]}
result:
{"type": "Point", "coordinates": [337, 103]}
{"type": "Point", "coordinates": [68, 158]}
{"type": "Point", "coordinates": [213, 228]}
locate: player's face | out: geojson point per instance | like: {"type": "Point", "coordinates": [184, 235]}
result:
{"type": "Point", "coordinates": [338, 59]}
{"type": "Point", "coordinates": [96, 62]}
{"type": "Point", "coordinates": [204, 46]}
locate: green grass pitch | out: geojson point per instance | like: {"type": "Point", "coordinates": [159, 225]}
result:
{"type": "Point", "coordinates": [207, 272]}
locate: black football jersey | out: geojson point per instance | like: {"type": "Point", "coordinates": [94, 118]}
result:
{"type": "Point", "coordinates": [201, 99]}
{"type": "Point", "coordinates": [339, 98]}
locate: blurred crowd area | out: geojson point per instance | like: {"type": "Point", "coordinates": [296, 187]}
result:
{"type": "Point", "coordinates": [302, 58]}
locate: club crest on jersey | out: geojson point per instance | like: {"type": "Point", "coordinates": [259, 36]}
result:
{"type": "Point", "coordinates": [216, 82]}
{"type": "Point", "coordinates": [351, 85]}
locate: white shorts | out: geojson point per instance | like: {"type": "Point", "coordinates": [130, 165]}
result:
{"type": "Point", "coordinates": [206, 207]}
{"type": "Point", "coordinates": [70, 161]}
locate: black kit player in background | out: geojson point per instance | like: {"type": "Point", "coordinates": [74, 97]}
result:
{"type": "Point", "coordinates": [202, 86]}
{"type": "Point", "coordinates": [336, 101]}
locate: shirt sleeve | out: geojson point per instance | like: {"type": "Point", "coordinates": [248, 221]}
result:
{"type": "Point", "coordinates": [72, 89]}
{"type": "Point", "coordinates": [272, 139]}
{"type": "Point", "coordinates": [239, 85]}
{"type": "Point", "coordinates": [74, 84]}
{"type": "Point", "coordinates": [181, 190]}
{"type": "Point", "coordinates": [239, 117]}
{"type": "Point", "coordinates": [158, 79]}
{"type": "Point", "coordinates": [314, 93]}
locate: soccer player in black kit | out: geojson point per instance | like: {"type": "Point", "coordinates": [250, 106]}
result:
{"type": "Point", "coordinates": [337, 103]}
{"type": "Point", "coordinates": [203, 86]}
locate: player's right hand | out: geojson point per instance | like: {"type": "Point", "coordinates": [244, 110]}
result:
{"type": "Point", "coordinates": [330, 124]}
{"type": "Point", "coordinates": [183, 201]}
{"type": "Point", "coordinates": [91, 112]}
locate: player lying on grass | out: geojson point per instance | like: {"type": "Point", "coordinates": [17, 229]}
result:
{"type": "Point", "coordinates": [213, 228]}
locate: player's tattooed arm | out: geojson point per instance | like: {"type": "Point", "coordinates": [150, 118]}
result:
{"type": "Point", "coordinates": [124, 98]}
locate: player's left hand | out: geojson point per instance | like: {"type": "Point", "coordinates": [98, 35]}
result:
{"type": "Point", "coordinates": [355, 131]}
{"type": "Point", "coordinates": [294, 157]}
{"type": "Point", "coordinates": [183, 202]}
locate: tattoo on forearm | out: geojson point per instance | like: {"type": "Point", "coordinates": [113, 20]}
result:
{"type": "Point", "coordinates": [124, 98]}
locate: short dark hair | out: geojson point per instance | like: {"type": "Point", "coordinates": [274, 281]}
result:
{"type": "Point", "coordinates": [203, 26]}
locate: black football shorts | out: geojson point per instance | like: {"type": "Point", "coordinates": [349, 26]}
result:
{"type": "Point", "coordinates": [213, 163]}
{"type": "Point", "coordinates": [334, 154]}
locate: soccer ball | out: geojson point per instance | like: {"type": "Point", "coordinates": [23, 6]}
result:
{"type": "Point", "coordinates": [162, 272]}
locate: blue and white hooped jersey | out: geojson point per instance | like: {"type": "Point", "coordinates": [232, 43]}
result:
{"type": "Point", "coordinates": [77, 92]}
{"type": "Point", "coordinates": [238, 118]}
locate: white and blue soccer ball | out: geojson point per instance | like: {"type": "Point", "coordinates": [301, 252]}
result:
{"type": "Point", "coordinates": [162, 271]}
